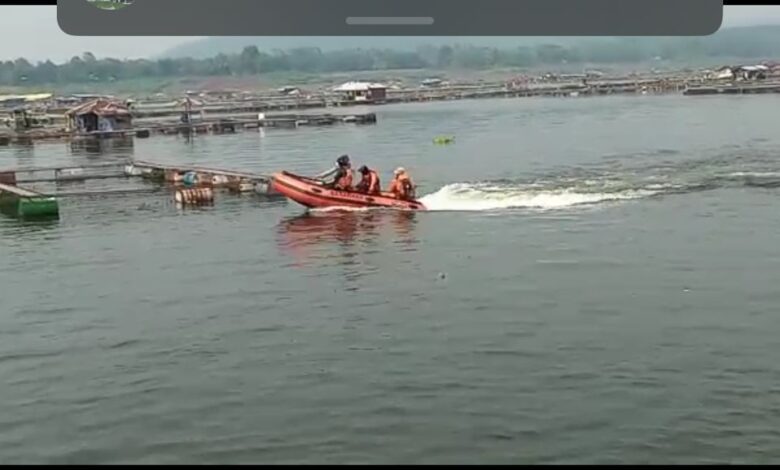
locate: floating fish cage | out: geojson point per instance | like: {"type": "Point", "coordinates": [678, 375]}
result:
{"type": "Point", "coordinates": [187, 185]}
{"type": "Point", "coordinates": [234, 181]}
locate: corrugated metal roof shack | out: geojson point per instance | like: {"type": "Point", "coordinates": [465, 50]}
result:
{"type": "Point", "coordinates": [100, 115]}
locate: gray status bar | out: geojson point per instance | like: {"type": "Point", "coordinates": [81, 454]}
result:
{"type": "Point", "coordinates": [393, 18]}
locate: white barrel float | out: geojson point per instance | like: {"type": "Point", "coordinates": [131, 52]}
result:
{"type": "Point", "coordinates": [246, 186]}
{"type": "Point", "coordinates": [69, 174]}
{"type": "Point", "coordinates": [131, 170]}
{"type": "Point", "coordinates": [219, 180]}
{"type": "Point", "coordinates": [194, 196]}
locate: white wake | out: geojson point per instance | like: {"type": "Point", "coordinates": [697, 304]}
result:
{"type": "Point", "coordinates": [483, 197]}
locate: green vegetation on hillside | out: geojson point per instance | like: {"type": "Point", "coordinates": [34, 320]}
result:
{"type": "Point", "coordinates": [754, 42]}
{"type": "Point", "coordinates": [751, 41]}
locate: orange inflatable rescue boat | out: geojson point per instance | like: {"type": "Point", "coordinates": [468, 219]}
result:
{"type": "Point", "coordinates": [313, 193]}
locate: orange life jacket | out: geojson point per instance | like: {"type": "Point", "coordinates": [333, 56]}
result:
{"type": "Point", "coordinates": [403, 187]}
{"type": "Point", "coordinates": [369, 183]}
{"type": "Point", "coordinates": [345, 180]}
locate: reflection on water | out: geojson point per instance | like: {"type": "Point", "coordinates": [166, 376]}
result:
{"type": "Point", "coordinates": [404, 223]}
{"type": "Point", "coordinates": [19, 229]}
{"type": "Point", "coordinates": [94, 146]}
{"type": "Point", "coordinates": [23, 151]}
{"type": "Point", "coordinates": [344, 234]}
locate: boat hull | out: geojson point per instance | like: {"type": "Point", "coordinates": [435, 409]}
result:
{"type": "Point", "coordinates": [313, 194]}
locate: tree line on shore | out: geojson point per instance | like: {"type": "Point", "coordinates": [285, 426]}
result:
{"type": "Point", "coordinates": [251, 60]}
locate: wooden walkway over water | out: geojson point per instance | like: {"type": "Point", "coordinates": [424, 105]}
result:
{"type": "Point", "coordinates": [216, 125]}
{"type": "Point", "coordinates": [17, 191]}
{"type": "Point", "coordinates": [729, 89]}
{"type": "Point", "coordinates": [239, 181]}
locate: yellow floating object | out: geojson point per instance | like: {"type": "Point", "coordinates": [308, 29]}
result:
{"type": "Point", "coordinates": [444, 140]}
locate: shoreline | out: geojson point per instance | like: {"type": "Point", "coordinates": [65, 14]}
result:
{"type": "Point", "coordinates": [228, 109]}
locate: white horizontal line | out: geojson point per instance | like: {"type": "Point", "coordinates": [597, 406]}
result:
{"type": "Point", "coordinates": [389, 20]}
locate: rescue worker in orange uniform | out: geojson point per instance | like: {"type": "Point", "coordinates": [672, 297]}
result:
{"type": "Point", "coordinates": [342, 174]}
{"type": "Point", "coordinates": [369, 181]}
{"type": "Point", "coordinates": [402, 185]}
{"type": "Point", "coordinates": [344, 181]}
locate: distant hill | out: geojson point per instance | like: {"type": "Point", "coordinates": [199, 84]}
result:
{"type": "Point", "coordinates": [210, 47]}
{"type": "Point", "coordinates": [288, 57]}
{"type": "Point", "coordinates": [745, 42]}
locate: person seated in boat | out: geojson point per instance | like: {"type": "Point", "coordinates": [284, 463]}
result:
{"type": "Point", "coordinates": [369, 181]}
{"type": "Point", "coordinates": [402, 185]}
{"type": "Point", "coordinates": [344, 181]}
{"type": "Point", "coordinates": [341, 174]}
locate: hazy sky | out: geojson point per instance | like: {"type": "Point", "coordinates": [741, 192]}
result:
{"type": "Point", "coordinates": [32, 32]}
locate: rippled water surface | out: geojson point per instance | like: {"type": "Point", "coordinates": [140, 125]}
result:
{"type": "Point", "coordinates": [597, 282]}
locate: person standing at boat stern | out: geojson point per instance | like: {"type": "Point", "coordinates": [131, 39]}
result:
{"type": "Point", "coordinates": [402, 185]}
{"type": "Point", "coordinates": [341, 173]}
{"type": "Point", "coordinates": [369, 182]}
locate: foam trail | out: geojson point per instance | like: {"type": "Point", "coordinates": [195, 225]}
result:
{"type": "Point", "coordinates": [756, 174]}
{"type": "Point", "coordinates": [482, 197]}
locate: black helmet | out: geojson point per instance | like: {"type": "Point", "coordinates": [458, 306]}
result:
{"type": "Point", "coordinates": [363, 169]}
{"type": "Point", "coordinates": [343, 160]}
